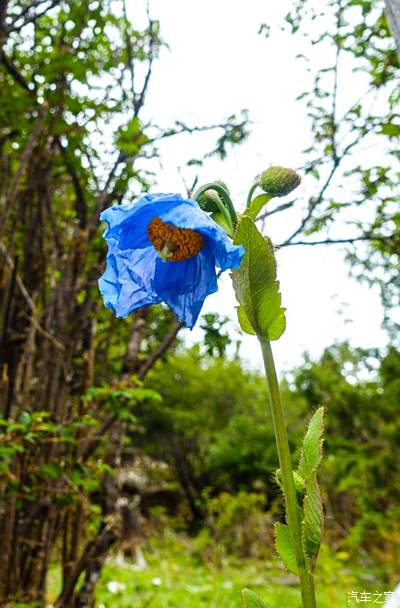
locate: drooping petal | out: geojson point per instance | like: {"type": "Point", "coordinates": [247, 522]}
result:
{"type": "Point", "coordinates": [185, 285]}
{"type": "Point", "coordinates": [128, 281]}
{"type": "Point", "coordinates": [136, 277]}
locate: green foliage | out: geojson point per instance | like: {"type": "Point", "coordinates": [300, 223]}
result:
{"type": "Point", "coordinates": [310, 458]}
{"type": "Point", "coordinates": [355, 38]}
{"type": "Point", "coordinates": [252, 600]}
{"type": "Point", "coordinates": [212, 421]}
{"type": "Point", "coordinates": [359, 472]}
{"type": "Point", "coordinates": [74, 77]}
{"type": "Point", "coordinates": [256, 287]}
{"type": "Point", "coordinates": [238, 524]}
{"type": "Point", "coordinates": [121, 397]}
{"type": "Point", "coordinates": [312, 521]}
{"type": "Point", "coordinates": [311, 452]}
{"type": "Point", "coordinates": [215, 339]}
{"type": "Point", "coordinates": [284, 547]}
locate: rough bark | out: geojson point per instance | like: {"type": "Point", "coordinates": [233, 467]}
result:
{"type": "Point", "coordinates": [392, 9]}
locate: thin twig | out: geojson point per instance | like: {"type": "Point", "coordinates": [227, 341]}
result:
{"type": "Point", "coordinates": [158, 353]}
{"type": "Point", "coordinates": [140, 101]}
{"type": "Point", "coordinates": [366, 237]}
{"type": "Point", "coordinates": [276, 210]}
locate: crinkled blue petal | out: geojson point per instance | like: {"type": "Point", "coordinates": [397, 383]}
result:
{"type": "Point", "coordinates": [128, 281]}
{"type": "Point", "coordinates": [185, 285]}
{"type": "Point", "coordinates": [128, 225]}
{"type": "Point", "coordinates": [136, 277]}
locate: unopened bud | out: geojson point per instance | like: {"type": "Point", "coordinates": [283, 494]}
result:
{"type": "Point", "coordinates": [279, 181]}
{"type": "Point", "coordinates": [208, 200]}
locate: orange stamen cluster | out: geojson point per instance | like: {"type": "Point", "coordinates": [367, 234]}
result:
{"type": "Point", "coordinates": [180, 243]}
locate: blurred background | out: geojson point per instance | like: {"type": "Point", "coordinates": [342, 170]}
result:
{"type": "Point", "coordinates": [137, 457]}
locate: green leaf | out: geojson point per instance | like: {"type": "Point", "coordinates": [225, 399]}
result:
{"type": "Point", "coordinates": [256, 287]}
{"type": "Point", "coordinates": [311, 453]}
{"type": "Point", "coordinates": [252, 600]}
{"type": "Point", "coordinates": [278, 326]}
{"type": "Point", "coordinates": [390, 129]}
{"type": "Point", "coordinates": [284, 547]}
{"type": "Point", "coordinates": [221, 220]}
{"type": "Point", "coordinates": [244, 321]}
{"type": "Point", "coordinates": [312, 521]}
{"type": "Point", "coordinates": [257, 204]}
{"type": "Point", "coordinates": [298, 481]}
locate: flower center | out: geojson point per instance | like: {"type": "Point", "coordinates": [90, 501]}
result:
{"type": "Point", "coordinates": [174, 244]}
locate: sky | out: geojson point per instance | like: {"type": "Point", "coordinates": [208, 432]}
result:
{"type": "Point", "coordinates": [215, 65]}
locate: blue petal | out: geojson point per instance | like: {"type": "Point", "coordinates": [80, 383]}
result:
{"type": "Point", "coordinates": [128, 223]}
{"type": "Point", "coordinates": [128, 281]}
{"type": "Point", "coordinates": [185, 285]}
{"type": "Point", "coordinates": [135, 277]}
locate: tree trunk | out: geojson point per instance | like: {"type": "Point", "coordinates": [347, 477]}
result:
{"type": "Point", "coordinates": [392, 9]}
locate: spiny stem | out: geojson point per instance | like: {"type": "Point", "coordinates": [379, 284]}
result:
{"type": "Point", "coordinates": [285, 461]}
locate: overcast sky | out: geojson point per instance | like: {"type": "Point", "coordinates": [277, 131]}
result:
{"type": "Point", "coordinates": [216, 65]}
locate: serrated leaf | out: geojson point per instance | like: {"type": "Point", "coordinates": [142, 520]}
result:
{"type": "Point", "coordinates": [255, 284]}
{"type": "Point", "coordinates": [311, 453]}
{"type": "Point", "coordinates": [257, 204]}
{"type": "Point", "coordinates": [252, 600]}
{"type": "Point", "coordinates": [278, 326]}
{"type": "Point", "coordinates": [284, 547]}
{"type": "Point", "coordinates": [312, 521]}
{"type": "Point", "coordinates": [244, 321]}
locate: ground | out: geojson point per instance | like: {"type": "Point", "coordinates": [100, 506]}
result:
{"type": "Point", "coordinates": [177, 577]}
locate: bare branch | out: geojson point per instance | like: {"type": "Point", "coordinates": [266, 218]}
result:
{"type": "Point", "coordinates": [129, 52]}
{"type": "Point", "coordinates": [158, 353]}
{"type": "Point", "coordinates": [12, 70]}
{"type": "Point", "coordinates": [103, 197]}
{"type": "Point", "coordinates": [139, 102]}
{"type": "Point", "coordinates": [276, 210]}
{"type": "Point", "coordinates": [183, 128]}
{"type": "Point", "coordinates": [365, 237]}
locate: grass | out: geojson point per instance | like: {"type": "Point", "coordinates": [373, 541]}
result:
{"type": "Point", "coordinates": [177, 577]}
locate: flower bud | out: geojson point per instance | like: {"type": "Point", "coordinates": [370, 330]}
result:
{"type": "Point", "coordinates": [279, 181]}
{"type": "Point", "coordinates": [208, 200]}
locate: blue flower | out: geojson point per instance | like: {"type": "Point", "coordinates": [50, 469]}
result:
{"type": "Point", "coordinates": [163, 248]}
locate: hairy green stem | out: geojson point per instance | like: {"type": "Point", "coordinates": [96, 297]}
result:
{"type": "Point", "coordinates": [285, 461]}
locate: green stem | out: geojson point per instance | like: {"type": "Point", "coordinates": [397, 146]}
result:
{"type": "Point", "coordinates": [250, 194]}
{"type": "Point", "coordinates": [285, 461]}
